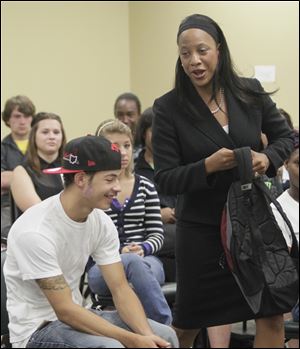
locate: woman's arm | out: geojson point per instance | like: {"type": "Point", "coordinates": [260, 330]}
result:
{"type": "Point", "coordinates": [23, 190]}
{"type": "Point", "coordinates": [279, 134]}
{"type": "Point", "coordinates": [171, 175]}
{"type": "Point", "coordinates": [152, 222]}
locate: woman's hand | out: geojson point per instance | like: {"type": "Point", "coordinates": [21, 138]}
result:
{"type": "Point", "coordinates": [168, 215]}
{"type": "Point", "coordinates": [221, 160]}
{"type": "Point", "coordinates": [260, 162]}
{"type": "Point", "coordinates": [133, 248]}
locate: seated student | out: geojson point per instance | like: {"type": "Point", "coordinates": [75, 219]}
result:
{"type": "Point", "coordinates": [144, 166]}
{"type": "Point", "coordinates": [48, 248]}
{"type": "Point", "coordinates": [127, 109]}
{"type": "Point", "coordinates": [17, 115]}
{"type": "Point", "coordinates": [289, 200]}
{"type": "Point", "coordinates": [46, 141]}
{"type": "Point", "coordinates": [136, 214]}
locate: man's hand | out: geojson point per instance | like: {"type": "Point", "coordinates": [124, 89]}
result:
{"type": "Point", "coordinates": [149, 341]}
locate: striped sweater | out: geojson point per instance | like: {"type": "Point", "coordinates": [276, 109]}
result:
{"type": "Point", "coordinates": [139, 219]}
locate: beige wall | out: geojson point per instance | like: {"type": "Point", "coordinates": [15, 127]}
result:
{"type": "Point", "coordinates": [75, 58]}
{"type": "Point", "coordinates": [71, 58]}
{"type": "Point", "coordinates": [258, 33]}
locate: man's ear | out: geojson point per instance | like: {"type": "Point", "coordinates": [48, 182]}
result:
{"type": "Point", "coordinates": [80, 179]}
{"type": "Point", "coordinates": [286, 163]}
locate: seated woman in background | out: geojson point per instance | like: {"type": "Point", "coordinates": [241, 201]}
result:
{"type": "Point", "coordinates": [144, 167]}
{"type": "Point", "coordinates": [136, 214]}
{"type": "Point", "coordinates": [46, 141]}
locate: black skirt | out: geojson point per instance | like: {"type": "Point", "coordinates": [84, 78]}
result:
{"type": "Point", "coordinates": [207, 293]}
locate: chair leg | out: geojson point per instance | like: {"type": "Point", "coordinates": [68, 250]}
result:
{"type": "Point", "coordinates": [5, 343]}
{"type": "Point", "coordinates": [202, 341]}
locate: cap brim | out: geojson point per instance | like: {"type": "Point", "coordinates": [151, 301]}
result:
{"type": "Point", "coordinates": [60, 170]}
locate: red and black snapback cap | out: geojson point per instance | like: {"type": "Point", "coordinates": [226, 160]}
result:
{"type": "Point", "coordinates": [88, 154]}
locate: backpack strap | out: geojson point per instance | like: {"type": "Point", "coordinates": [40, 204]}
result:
{"type": "Point", "coordinates": [244, 164]}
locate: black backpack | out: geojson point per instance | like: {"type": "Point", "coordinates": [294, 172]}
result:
{"type": "Point", "coordinates": [254, 246]}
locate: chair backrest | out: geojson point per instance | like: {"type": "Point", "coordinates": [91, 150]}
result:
{"type": "Point", "coordinates": [4, 314]}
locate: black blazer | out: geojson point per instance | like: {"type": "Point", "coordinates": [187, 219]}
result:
{"type": "Point", "coordinates": [181, 142]}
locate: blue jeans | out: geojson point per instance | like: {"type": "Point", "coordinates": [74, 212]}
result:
{"type": "Point", "coordinates": [146, 275]}
{"type": "Point", "coordinates": [59, 335]}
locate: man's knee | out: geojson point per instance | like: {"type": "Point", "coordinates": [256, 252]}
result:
{"type": "Point", "coordinates": [164, 331]}
{"type": "Point", "coordinates": [111, 343]}
{"type": "Point", "coordinates": [132, 261]}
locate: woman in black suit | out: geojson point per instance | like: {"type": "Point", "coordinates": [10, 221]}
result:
{"type": "Point", "coordinates": [197, 125]}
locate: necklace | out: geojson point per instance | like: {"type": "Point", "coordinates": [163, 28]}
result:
{"type": "Point", "coordinates": [221, 102]}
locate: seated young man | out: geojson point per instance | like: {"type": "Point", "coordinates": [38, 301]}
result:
{"type": "Point", "coordinates": [48, 248]}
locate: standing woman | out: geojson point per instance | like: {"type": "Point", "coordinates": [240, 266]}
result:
{"type": "Point", "coordinates": [197, 125]}
{"type": "Point", "coordinates": [46, 141]}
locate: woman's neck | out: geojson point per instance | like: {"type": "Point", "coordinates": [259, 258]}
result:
{"type": "Point", "coordinates": [125, 176]}
{"type": "Point", "coordinates": [205, 92]}
{"type": "Point", "coordinates": [148, 157]}
{"type": "Point", "coordinates": [207, 95]}
{"type": "Point", "coordinates": [48, 157]}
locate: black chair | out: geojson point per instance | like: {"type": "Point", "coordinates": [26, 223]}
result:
{"type": "Point", "coordinates": [167, 253]}
{"type": "Point", "coordinates": [4, 314]}
{"type": "Point", "coordinates": [291, 329]}
{"type": "Point", "coordinates": [4, 235]}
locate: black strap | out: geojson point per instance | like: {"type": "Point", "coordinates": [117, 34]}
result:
{"type": "Point", "coordinates": [244, 164]}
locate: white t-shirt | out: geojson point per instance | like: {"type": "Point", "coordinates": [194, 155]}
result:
{"type": "Point", "coordinates": [291, 209]}
{"type": "Point", "coordinates": [45, 242]}
{"type": "Point", "coordinates": [285, 174]}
